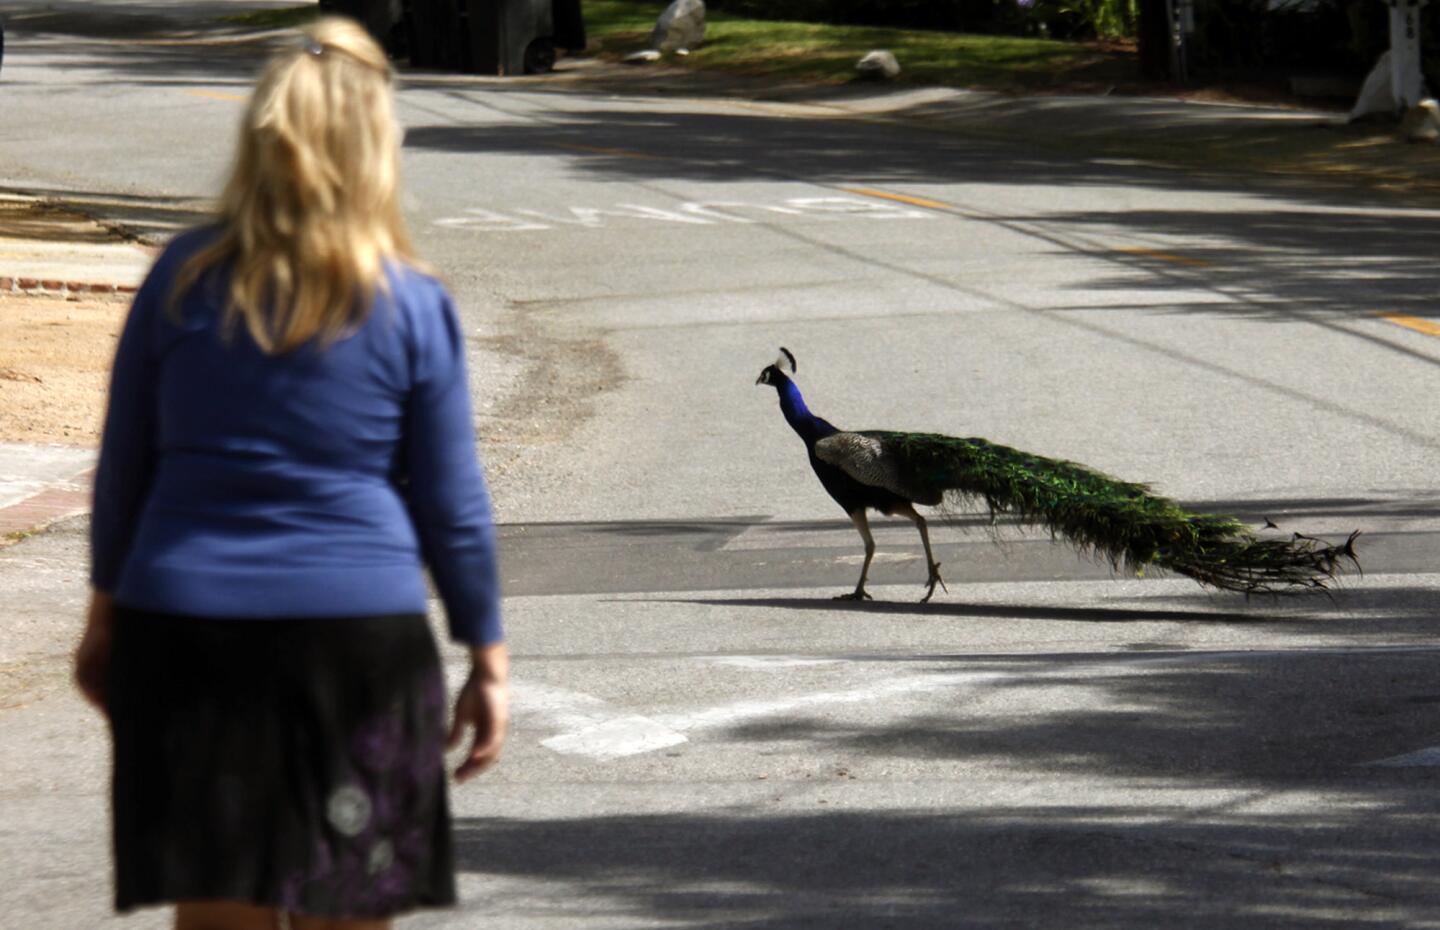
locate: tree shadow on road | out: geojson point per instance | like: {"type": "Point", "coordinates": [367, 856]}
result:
{"type": "Point", "coordinates": [970, 864]}
{"type": "Point", "coordinates": [1262, 719]}
{"type": "Point", "coordinates": [1225, 790]}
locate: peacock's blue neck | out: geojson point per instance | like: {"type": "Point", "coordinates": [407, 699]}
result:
{"type": "Point", "coordinates": [808, 425]}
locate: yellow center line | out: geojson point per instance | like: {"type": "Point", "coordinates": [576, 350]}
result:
{"type": "Point", "coordinates": [217, 95]}
{"type": "Point", "coordinates": [902, 198]}
{"type": "Point", "coordinates": [604, 150]}
{"type": "Point", "coordinates": [1428, 327]}
{"type": "Point", "coordinates": [1166, 257]}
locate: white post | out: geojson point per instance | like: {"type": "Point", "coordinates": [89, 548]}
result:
{"type": "Point", "coordinates": [1181, 15]}
{"type": "Point", "coordinates": [1407, 81]}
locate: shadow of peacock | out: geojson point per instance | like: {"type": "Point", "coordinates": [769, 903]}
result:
{"type": "Point", "coordinates": [892, 472]}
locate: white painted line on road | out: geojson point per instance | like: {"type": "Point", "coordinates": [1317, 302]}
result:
{"type": "Point", "coordinates": [896, 557]}
{"type": "Point", "coordinates": [596, 729]}
{"type": "Point", "coordinates": [694, 213]}
{"type": "Point", "coordinates": [728, 714]}
{"type": "Point", "coordinates": [602, 737]}
{"type": "Point", "coordinates": [772, 663]}
{"type": "Point", "coordinates": [564, 708]}
{"type": "Point", "coordinates": [614, 739]}
{"type": "Point", "coordinates": [1423, 757]}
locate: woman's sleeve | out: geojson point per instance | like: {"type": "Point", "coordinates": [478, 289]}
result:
{"type": "Point", "coordinates": [128, 443]}
{"type": "Point", "coordinates": [448, 497]}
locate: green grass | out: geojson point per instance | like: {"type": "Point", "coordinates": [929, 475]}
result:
{"type": "Point", "coordinates": [827, 54]}
{"type": "Point", "coordinates": [275, 18]}
{"type": "Point", "coordinates": [824, 53]}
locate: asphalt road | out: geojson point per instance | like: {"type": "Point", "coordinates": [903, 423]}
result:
{"type": "Point", "coordinates": [703, 738]}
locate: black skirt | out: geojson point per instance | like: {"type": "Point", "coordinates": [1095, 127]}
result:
{"type": "Point", "coordinates": [295, 764]}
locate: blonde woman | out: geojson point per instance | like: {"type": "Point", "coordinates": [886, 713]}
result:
{"type": "Point", "coordinates": [288, 443]}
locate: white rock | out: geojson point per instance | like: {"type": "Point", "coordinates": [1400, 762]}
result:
{"type": "Point", "coordinates": [682, 25]}
{"type": "Point", "coordinates": [1377, 95]}
{"type": "Point", "coordinates": [879, 65]}
{"type": "Point", "coordinates": [1421, 123]}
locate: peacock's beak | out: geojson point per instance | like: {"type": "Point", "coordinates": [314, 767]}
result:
{"type": "Point", "coordinates": [761, 379]}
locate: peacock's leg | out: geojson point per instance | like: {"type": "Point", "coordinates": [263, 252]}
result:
{"type": "Point", "coordinates": [862, 524]}
{"type": "Point", "coordinates": [908, 512]}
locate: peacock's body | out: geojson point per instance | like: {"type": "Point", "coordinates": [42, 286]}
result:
{"type": "Point", "coordinates": [1126, 523]}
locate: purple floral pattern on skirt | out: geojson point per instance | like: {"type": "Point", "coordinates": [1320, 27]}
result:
{"type": "Point", "coordinates": [294, 764]}
{"type": "Point", "coordinates": [375, 850]}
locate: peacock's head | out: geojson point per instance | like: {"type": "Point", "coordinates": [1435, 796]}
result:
{"type": "Point", "coordinates": [775, 373]}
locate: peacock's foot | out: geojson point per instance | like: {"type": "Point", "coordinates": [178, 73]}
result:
{"type": "Point", "coordinates": [932, 581]}
{"type": "Point", "coordinates": [859, 594]}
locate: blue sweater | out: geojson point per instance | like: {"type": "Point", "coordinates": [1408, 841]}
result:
{"type": "Point", "coordinates": [316, 483]}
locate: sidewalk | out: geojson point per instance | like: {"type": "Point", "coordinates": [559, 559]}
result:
{"type": "Point", "coordinates": [53, 256]}
{"type": "Point", "coordinates": [1285, 145]}
{"type": "Point", "coordinates": [49, 248]}
{"type": "Point", "coordinates": [40, 484]}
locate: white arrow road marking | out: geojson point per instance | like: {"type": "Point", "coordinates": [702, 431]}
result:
{"type": "Point", "coordinates": [563, 707]}
{"type": "Point", "coordinates": [597, 730]}
{"type": "Point", "coordinates": [623, 736]}
{"type": "Point", "coordinates": [728, 714]}
{"type": "Point", "coordinates": [595, 727]}
{"type": "Point", "coordinates": [601, 731]}
{"type": "Point", "coordinates": [1429, 756]}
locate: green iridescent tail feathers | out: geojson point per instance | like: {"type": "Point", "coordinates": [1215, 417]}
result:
{"type": "Point", "coordinates": [1124, 522]}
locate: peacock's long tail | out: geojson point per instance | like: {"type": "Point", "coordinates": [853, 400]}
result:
{"type": "Point", "coordinates": [1125, 522]}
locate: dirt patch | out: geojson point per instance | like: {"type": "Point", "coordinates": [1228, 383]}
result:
{"type": "Point", "coordinates": [33, 220]}
{"type": "Point", "coordinates": [55, 357]}
{"type": "Point", "coordinates": [564, 375]}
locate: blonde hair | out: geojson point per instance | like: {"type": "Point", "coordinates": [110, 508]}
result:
{"type": "Point", "coordinates": [311, 210]}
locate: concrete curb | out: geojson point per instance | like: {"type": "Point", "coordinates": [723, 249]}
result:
{"type": "Point", "coordinates": [56, 482]}
{"type": "Point", "coordinates": [53, 248]}
{"type": "Point", "coordinates": [50, 287]}
{"type": "Point", "coordinates": [1276, 144]}
{"type": "Point", "coordinates": [54, 503]}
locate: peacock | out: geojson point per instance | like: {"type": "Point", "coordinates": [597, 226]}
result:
{"type": "Point", "coordinates": [1126, 523]}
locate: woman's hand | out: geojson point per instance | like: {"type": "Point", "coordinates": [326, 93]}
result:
{"type": "Point", "coordinates": [92, 656]}
{"type": "Point", "coordinates": [483, 703]}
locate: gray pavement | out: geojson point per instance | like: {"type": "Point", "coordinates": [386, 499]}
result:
{"type": "Point", "coordinates": [703, 738]}
{"type": "Point", "coordinates": [741, 770]}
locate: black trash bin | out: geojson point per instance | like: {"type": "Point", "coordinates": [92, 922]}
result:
{"type": "Point", "coordinates": [383, 19]}
{"type": "Point", "coordinates": [569, 25]}
{"type": "Point", "coordinates": [435, 36]}
{"type": "Point", "coordinates": [520, 36]}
